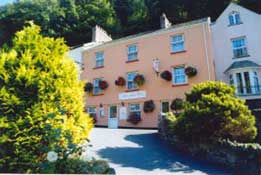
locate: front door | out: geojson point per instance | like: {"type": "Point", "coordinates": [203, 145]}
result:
{"type": "Point", "coordinates": [113, 117]}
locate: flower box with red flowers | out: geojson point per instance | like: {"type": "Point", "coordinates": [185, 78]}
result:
{"type": "Point", "coordinates": [120, 81]}
{"type": "Point", "coordinates": [139, 79]}
{"type": "Point", "coordinates": [191, 71]}
{"type": "Point", "coordinates": [103, 84]}
{"type": "Point", "coordinates": [166, 75]}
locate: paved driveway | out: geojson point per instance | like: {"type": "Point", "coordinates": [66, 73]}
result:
{"type": "Point", "coordinates": [132, 151]}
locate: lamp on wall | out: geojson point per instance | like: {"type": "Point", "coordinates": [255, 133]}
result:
{"type": "Point", "coordinates": [122, 103]}
{"type": "Point", "coordinates": [156, 65]}
{"type": "Point", "coordinates": [101, 105]}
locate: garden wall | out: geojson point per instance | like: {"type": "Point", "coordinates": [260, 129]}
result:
{"type": "Point", "coordinates": [244, 159]}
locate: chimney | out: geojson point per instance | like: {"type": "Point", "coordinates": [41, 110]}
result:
{"type": "Point", "coordinates": [100, 35]}
{"type": "Point", "coordinates": [164, 22]}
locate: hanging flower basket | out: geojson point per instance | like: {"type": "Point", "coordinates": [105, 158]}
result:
{"type": "Point", "coordinates": [88, 87]}
{"type": "Point", "coordinates": [148, 106]}
{"type": "Point", "coordinates": [190, 71]}
{"type": "Point", "coordinates": [139, 79]}
{"type": "Point", "coordinates": [120, 81]}
{"type": "Point", "coordinates": [134, 118]}
{"type": "Point", "coordinates": [103, 84]}
{"type": "Point", "coordinates": [166, 75]}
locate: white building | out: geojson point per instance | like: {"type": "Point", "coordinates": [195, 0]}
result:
{"type": "Point", "coordinates": [237, 50]}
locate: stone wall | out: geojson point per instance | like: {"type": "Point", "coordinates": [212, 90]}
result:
{"type": "Point", "coordinates": [244, 159]}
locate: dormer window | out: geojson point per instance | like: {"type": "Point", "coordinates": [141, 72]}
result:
{"type": "Point", "coordinates": [234, 18]}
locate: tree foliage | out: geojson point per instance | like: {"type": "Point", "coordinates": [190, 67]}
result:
{"type": "Point", "coordinates": [73, 19]}
{"type": "Point", "coordinates": [213, 112]}
{"type": "Point", "coordinates": [41, 102]}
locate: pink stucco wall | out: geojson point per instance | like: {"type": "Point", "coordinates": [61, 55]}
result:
{"type": "Point", "coordinates": [198, 53]}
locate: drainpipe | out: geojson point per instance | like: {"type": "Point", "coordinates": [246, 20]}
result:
{"type": "Point", "coordinates": [206, 48]}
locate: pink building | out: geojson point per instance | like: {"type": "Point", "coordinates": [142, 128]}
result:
{"type": "Point", "coordinates": [169, 51]}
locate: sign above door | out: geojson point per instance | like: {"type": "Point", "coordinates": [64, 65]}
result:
{"type": "Point", "coordinates": [132, 95]}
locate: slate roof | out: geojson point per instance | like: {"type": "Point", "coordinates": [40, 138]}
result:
{"type": "Point", "coordinates": [243, 64]}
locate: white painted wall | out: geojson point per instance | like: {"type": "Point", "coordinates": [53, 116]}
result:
{"type": "Point", "coordinates": [222, 34]}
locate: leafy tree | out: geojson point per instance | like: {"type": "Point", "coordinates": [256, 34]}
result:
{"type": "Point", "coordinates": [73, 19]}
{"type": "Point", "coordinates": [41, 102]}
{"type": "Point", "coordinates": [70, 19]}
{"type": "Point", "coordinates": [213, 112]}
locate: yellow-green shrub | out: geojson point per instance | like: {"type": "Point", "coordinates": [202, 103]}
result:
{"type": "Point", "coordinates": [41, 102]}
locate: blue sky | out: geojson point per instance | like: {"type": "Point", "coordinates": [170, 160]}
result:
{"type": "Point", "coordinates": [2, 2]}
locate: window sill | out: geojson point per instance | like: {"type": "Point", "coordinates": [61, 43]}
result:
{"type": "Point", "coordinates": [131, 90]}
{"type": "Point", "coordinates": [98, 67]}
{"type": "Point", "coordinates": [231, 25]}
{"type": "Point", "coordinates": [97, 94]}
{"type": "Point", "coordinates": [177, 85]}
{"type": "Point", "coordinates": [130, 61]}
{"type": "Point", "coordinates": [245, 56]}
{"type": "Point", "coordinates": [183, 51]}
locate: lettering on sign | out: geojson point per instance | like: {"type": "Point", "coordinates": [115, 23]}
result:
{"type": "Point", "coordinates": [132, 95]}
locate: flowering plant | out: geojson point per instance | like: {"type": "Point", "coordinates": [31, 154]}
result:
{"type": "Point", "coordinates": [166, 75]}
{"type": "Point", "coordinates": [88, 87]}
{"type": "Point", "coordinates": [191, 71]}
{"type": "Point", "coordinates": [103, 84]}
{"type": "Point", "coordinates": [134, 118]}
{"type": "Point", "coordinates": [139, 79]}
{"type": "Point", "coordinates": [148, 106]}
{"type": "Point", "coordinates": [120, 81]}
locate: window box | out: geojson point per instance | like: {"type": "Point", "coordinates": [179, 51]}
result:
{"type": "Point", "coordinates": [131, 61]}
{"type": "Point", "coordinates": [98, 67]}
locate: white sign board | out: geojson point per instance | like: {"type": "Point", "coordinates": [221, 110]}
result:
{"type": "Point", "coordinates": [132, 95]}
{"type": "Point", "coordinates": [123, 113]}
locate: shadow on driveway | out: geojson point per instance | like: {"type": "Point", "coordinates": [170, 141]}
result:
{"type": "Point", "coordinates": [152, 153]}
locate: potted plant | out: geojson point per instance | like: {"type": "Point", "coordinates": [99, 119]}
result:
{"type": "Point", "coordinates": [166, 75]}
{"type": "Point", "coordinates": [120, 81]}
{"type": "Point", "coordinates": [134, 118]}
{"type": "Point", "coordinates": [139, 79]}
{"type": "Point", "coordinates": [148, 106]}
{"type": "Point", "coordinates": [103, 84]}
{"type": "Point", "coordinates": [191, 71]}
{"type": "Point", "coordinates": [88, 87]}
{"type": "Point", "coordinates": [177, 105]}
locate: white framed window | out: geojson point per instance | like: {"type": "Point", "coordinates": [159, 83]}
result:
{"type": "Point", "coordinates": [234, 18]}
{"type": "Point", "coordinates": [177, 43]}
{"type": "Point", "coordinates": [132, 52]}
{"type": "Point", "coordinates": [179, 75]}
{"type": "Point", "coordinates": [257, 87]}
{"type": "Point", "coordinates": [239, 47]}
{"type": "Point", "coordinates": [130, 80]}
{"type": "Point", "coordinates": [135, 108]}
{"type": "Point", "coordinates": [91, 110]}
{"type": "Point", "coordinates": [246, 83]}
{"type": "Point", "coordinates": [96, 88]}
{"type": "Point", "coordinates": [165, 106]}
{"type": "Point", "coordinates": [231, 80]}
{"type": "Point", "coordinates": [99, 58]}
